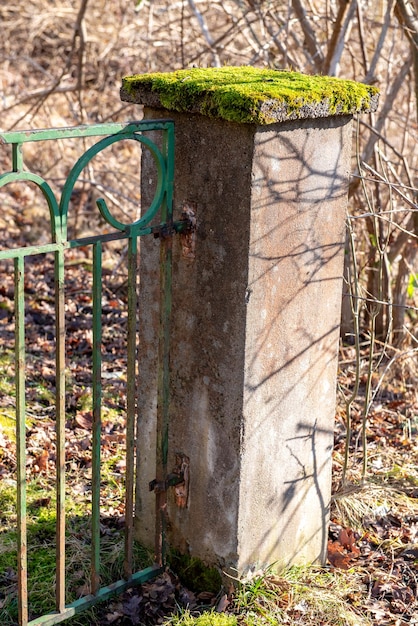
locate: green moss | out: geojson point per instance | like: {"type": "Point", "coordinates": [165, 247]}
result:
{"type": "Point", "coordinates": [194, 574]}
{"type": "Point", "coordinates": [7, 391]}
{"type": "Point", "coordinates": [8, 423]}
{"type": "Point", "coordinates": [206, 619]}
{"type": "Point", "coordinates": [250, 95]}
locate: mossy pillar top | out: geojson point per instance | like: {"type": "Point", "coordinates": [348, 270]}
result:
{"type": "Point", "coordinates": [262, 159]}
{"type": "Point", "coordinates": [250, 95]}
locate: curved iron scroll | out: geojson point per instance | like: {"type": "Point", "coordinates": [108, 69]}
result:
{"type": "Point", "coordinates": [163, 158]}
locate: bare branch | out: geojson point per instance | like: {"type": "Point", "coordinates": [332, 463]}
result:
{"type": "Point", "coordinates": [310, 37]}
{"type": "Point", "coordinates": [407, 15]}
{"type": "Point", "coordinates": [44, 95]}
{"type": "Point", "coordinates": [387, 107]}
{"type": "Point", "coordinates": [346, 13]}
{"type": "Point", "coordinates": [205, 31]}
{"type": "Point", "coordinates": [379, 46]}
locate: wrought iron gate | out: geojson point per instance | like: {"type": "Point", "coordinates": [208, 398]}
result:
{"type": "Point", "coordinates": [157, 219]}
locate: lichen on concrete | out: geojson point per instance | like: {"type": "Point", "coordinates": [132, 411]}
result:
{"type": "Point", "coordinates": [250, 95]}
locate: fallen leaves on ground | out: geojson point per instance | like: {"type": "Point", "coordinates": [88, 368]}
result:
{"type": "Point", "coordinates": [153, 602]}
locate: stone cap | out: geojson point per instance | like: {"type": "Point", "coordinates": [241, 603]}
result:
{"type": "Point", "coordinates": [249, 94]}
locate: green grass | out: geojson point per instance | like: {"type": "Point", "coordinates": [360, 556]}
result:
{"type": "Point", "coordinates": [38, 396]}
{"type": "Point", "coordinates": [7, 390]}
{"type": "Point", "coordinates": [298, 595]}
{"type": "Point", "coordinates": [207, 619]}
{"type": "Point", "coordinates": [41, 519]}
{"type": "Point", "coordinates": [41, 552]}
{"type": "Point", "coordinates": [42, 562]}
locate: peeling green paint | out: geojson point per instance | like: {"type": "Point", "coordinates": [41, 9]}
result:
{"type": "Point", "coordinates": [250, 95]}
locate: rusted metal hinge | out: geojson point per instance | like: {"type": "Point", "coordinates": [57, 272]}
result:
{"type": "Point", "coordinates": [162, 485]}
{"type": "Point", "coordinates": [186, 226]}
{"type": "Point", "coordinates": [178, 478]}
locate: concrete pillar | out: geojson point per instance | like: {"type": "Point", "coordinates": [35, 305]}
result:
{"type": "Point", "coordinates": [255, 325]}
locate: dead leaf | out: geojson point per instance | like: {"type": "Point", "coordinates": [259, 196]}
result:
{"type": "Point", "coordinates": [131, 608]}
{"type": "Point", "coordinates": [348, 539]}
{"type": "Point", "coordinates": [84, 590]}
{"type": "Point", "coordinates": [112, 617]}
{"type": "Point", "coordinates": [41, 502]}
{"type": "Point", "coordinates": [222, 604]}
{"type": "Point", "coordinates": [41, 462]}
{"type": "Point", "coordinates": [85, 420]}
{"type": "Point", "coordinates": [337, 556]}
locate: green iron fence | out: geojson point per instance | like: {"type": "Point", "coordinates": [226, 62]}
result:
{"type": "Point", "coordinates": [157, 220]}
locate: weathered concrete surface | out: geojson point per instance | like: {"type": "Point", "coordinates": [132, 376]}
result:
{"type": "Point", "coordinates": [254, 338]}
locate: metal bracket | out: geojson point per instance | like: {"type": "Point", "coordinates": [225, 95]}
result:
{"type": "Point", "coordinates": [186, 226]}
{"type": "Point", "coordinates": [178, 478]}
{"type": "Point", "coordinates": [157, 486]}
{"type": "Point", "coordinates": [183, 226]}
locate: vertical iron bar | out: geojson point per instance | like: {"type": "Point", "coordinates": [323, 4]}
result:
{"type": "Point", "coordinates": [97, 398]}
{"type": "Point", "coordinates": [163, 394]}
{"type": "Point", "coordinates": [60, 426]}
{"type": "Point", "coordinates": [22, 572]}
{"type": "Point", "coordinates": [17, 157]}
{"type": "Point", "coordinates": [163, 400]}
{"type": "Point", "coordinates": [131, 392]}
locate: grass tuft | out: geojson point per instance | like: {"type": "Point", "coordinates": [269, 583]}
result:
{"type": "Point", "coordinates": [206, 619]}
